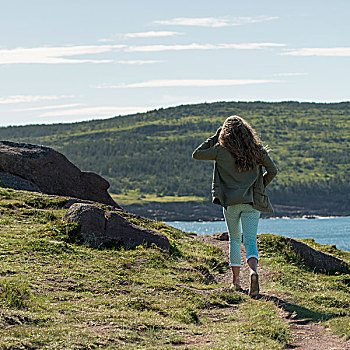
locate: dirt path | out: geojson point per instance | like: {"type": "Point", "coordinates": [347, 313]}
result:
{"type": "Point", "coordinates": [307, 335]}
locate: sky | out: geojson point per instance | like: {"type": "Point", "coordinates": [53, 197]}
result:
{"type": "Point", "coordinates": [72, 60]}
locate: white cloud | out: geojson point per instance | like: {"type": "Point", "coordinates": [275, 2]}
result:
{"type": "Point", "coordinates": [214, 21]}
{"type": "Point", "coordinates": [187, 83]}
{"type": "Point", "coordinates": [63, 54]}
{"type": "Point", "coordinates": [195, 46]}
{"type": "Point", "coordinates": [47, 107]}
{"type": "Point", "coordinates": [314, 51]}
{"type": "Point", "coordinates": [51, 55]}
{"type": "Point", "coordinates": [289, 74]}
{"type": "Point", "coordinates": [151, 34]}
{"type": "Point", "coordinates": [105, 40]}
{"type": "Point", "coordinates": [96, 111]}
{"type": "Point", "coordinates": [139, 62]}
{"type": "Point", "coordinates": [30, 98]}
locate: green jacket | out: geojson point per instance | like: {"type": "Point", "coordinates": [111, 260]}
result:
{"type": "Point", "coordinates": [231, 186]}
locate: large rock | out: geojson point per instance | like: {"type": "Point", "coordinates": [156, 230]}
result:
{"type": "Point", "coordinates": [99, 227]}
{"type": "Point", "coordinates": [316, 260]}
{"type": "Point", "coordinates": [18, 183]}
{"type": "Point", "coordinates": [222, 236]}
{"type": "Point", "coordinates": [39, 168]}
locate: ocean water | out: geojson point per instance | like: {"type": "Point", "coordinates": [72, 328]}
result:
{"type": "Point", "coordinates": [329, 230]}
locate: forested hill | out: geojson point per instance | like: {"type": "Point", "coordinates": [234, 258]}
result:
{"type": "Point", "coordinates": [151, 152]}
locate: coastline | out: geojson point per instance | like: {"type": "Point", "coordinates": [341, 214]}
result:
{"type": "Point", "coordinates": [206, 211]}
{"type": "Point", "coordinates": [333, 231]}
{"type": "Point", "coordinates": [306, 217]}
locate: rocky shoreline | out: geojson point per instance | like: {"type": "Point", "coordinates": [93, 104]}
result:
{"type": "Point", "coordinates": [206, 211]}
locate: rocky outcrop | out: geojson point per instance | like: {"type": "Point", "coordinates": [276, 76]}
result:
{"type": "Point", "coordinates": [222, 236]}
{"type": "Point", "coordinates": [17, 182]}
{"type": "Point", "coordinates": [316, 260]}
{"type": "Point", "coordinates": [37, 168]}
{"type": "Point", "coordinates": [99, 228]}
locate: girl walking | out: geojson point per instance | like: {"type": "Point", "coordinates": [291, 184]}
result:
{"type": "Point", "coordinates": [239, 187]}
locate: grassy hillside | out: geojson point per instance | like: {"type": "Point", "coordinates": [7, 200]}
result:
{"type": "Point", "coordinates": [58, 294]}
{"type": "Point", "coordinates": [150, 153]}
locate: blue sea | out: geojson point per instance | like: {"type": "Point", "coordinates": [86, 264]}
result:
{"type": "Point", "coordinates": [327, 230]}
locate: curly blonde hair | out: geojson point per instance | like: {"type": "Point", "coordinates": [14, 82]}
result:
{"type": "Point", "coordinates": [238, 137]}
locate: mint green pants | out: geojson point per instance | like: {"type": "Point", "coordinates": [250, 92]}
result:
{"type": "Point", "coordinates": [246, 216]}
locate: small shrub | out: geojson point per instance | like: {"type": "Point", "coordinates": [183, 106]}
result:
{"type": "Point", "coordinates": [189, 316]}
{"type": "Point", "coordinates": [64, 231]}
{"type": "Point", "coordinates": [217, 264]}
{"type": "Point", "coordinates": [202, 268]}
{"type": "Point", "coordinates": [174, 251]}
{"type": "Point", "coordinates": [193, 316]}
{"type": "Point", "coordinates": [49, 216]}
{"type": "Point", "coordinates": [15, 293]}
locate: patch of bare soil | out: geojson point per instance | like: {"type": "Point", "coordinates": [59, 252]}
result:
{"type": "Point", "coordinates": [307, 335]}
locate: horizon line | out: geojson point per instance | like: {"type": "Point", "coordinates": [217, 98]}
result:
{"type": "Point", "coordinates": [174, 106]}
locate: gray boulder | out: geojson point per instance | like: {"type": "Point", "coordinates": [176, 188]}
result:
{"type": "Point", "coordinates": [222, 236]}
{"type": "Point", "coordinates": [17, 182]}
{"type": "Point", "coordinates": [91, 220]}
{"type": "Point", "coordinates": [316, 260]}
{"type": "Point", "coordinates": [99, 227]}
{"type": "Point", "coordinates": [38, 168]}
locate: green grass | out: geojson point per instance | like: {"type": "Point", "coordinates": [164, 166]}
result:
{"type": "Point", "coordinates": [14, 293]}
{"type": "Point", "coordinates": [135, 197]}
{"type": "Point", "coordinates": [56, 293]}
{"type": "Point", "coordinates": [315, 296]}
